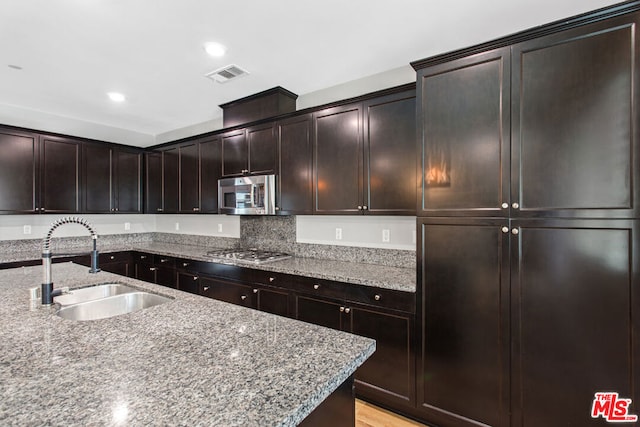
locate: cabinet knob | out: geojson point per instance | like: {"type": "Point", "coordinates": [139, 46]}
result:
{"type": "Point", "coordinates": [205, 288]}
{"type": "Point", "coordinates": [159, 209]}
{"type": "Point", "coordinates": [152, 269]}
{"type": "Point", "coordinates": [277, 208]}
{"type": "Point", "coordinates": [515, 231]}
{"type": "Point", "coordinates": [41, 209]}
{"type": "Point", "coordinates": [365, 207]}
{"type": "Point", "coordinates": [505, 229]}
{"type": "Point", "coordinates": [341, 309]}
{"type": "Point", "coordinates": [195, 277]}
{"type": "Point", "coordinates": [505, 205]}
{"type": "Point", "coordinates": [359, 208]}
{"type": "Point", "coordinates": [377, 297]}
{"type": "Point", "coordinates": [316, 286]}
{"type": "Point", "coordinates": [255, 291]}
{"type": "Point", "coordinates": [271, 279]}
{"type": "Point", "coordinates": [196, 209]}
{"type": "Point", "coordinates": [515, 205]}
{"type": "Point", "coordinates": [243, 297]}
{"type": "Point", "coordinates": [184, 264]}
{"type": "Point", "coordinates": [143, 257]}
{"type": "Point", "coordinates": [347, 310]}
{"type": "Point", "coordinates": [117, 209]}
{"type": "Point", "coordinates": [112, 257]}
{"type": "Point", "coordinates": [164, 260]}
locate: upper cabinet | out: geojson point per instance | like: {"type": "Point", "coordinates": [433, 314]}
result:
{"type": "Point", "coordinates": [200, 169]}
{"type": "Point", "coordinates": [162, 181]}
{"type": "Point", "coordinates": [295, 170]}
{"type": "Point", "coordinates": [251, 150]}
{"type": "Point", "coordinates": [364, 157]}
{"type": "Point", "coordinates": [19, 175]}
{"type": "Point", "coordinates": [112, 179]}
{"type": "Point", "coordinates": [543, 128]}
{"type": "Point", "coordinates": [59, 175]}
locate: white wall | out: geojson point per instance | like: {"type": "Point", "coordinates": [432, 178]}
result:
{"type": "Point", "coordinates": [361, 231]}
{"type": "Point", "coordinates": [12, 227]}
{"type": "Point", "coordinates": [201, 225]}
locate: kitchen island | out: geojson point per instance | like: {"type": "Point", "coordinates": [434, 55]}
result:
{"type": "Point", "coordinates": [191, 361]}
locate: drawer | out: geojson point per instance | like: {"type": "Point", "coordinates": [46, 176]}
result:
{"type": "Point", "coordinates": [105, 258]}
{"type": "Point", "coordinates": [164, 261]}
{"type": "Point", "coordinates": [383, 298]}
{"type": "Point", "coordinates": [142, 257]}
{"type": "Point", "coordinates": [318, 287]}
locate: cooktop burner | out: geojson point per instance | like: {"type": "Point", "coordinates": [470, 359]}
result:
{"type": "Point", "coordinates": [250, 256]}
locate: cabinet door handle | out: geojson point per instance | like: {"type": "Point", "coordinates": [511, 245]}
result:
{"type": "Point", "coordinates": [184, 264]}
{"type": "Point", "coordinates": [377, 297]}
{"type": "Point", "coordinates": [112, 257]}
{"type": "Point", "coordinates": [277, 208]}
{"type": "Point", "coordinates": [143, 257]}
{"type": "Point", "coordinates": [205, 288]}
{"type": "Point", "coordinates": [164, 260]}
{"type": "Point", "coordinates": [152, 269]}
{"type": "Point", "coordinates": [196, 209]}
{"type": "Point", "coordinates": [255, 291]}
{"type": "Point", "coordinates": [515, 205]}
{"type": "Point", "coordinates": [341, 309]}
{"type": "Point", "coordinates": [316, 286]}
{"type": "Point", "coordinates": [365, 207]}
{"type": "Point", "coordinates": [41, 209]}
{"type": "Point", "coordinates": [117, 209]}
{"type": "Point", "coordinates": [195, 277]}
{"type": "Point", "coordinates": [243, 297]}
{"type": "Point", "coordinates": [347, 310]}
{"type": "Point", "coordinates": [505, 229]}
{"type": "Point", "coordinates": [515, 231]}
{"type": "Point", "coordinates": [159, 209]}
{"type": "Point", "coordinates": [271, 279]}
{"type": "Point", "coordinates": [505, 205]}
{"type": "Point", "coordinates": [359, 207]}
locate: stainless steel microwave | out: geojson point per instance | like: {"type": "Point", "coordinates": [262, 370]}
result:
{"type": "Point", "coordinates": [247, 195]}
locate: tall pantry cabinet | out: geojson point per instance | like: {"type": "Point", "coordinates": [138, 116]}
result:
{"type": "Point", "coordinates": [528, 225]}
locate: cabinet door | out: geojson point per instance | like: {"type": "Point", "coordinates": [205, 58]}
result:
{"type": "Point", "coordinates": [390, 372]}
{"type": "Point", "coordinates": [128, 184]}
{"type": "Point", "coordinates": [18, 171]}
{"type": "Point", "coordinates": [295, 171]}
{"type": "Point", "coordinates": [390, 154]}
{"type": "Point", "coordinates": [210, 173]}
{"type": "Point", "coordinates": [145, 272]}
{"type": "Point", "coordinates": [235, 153]}
{"type": "Point", "coordinates": [272, 301]}
{"type": "Point", "coordinates": [189, 282]}
{"type": "Point", "coordinates": [464, 136]}
{"type": "Point", "coordinates": [170, 170]}
{"type": "Point", "coordinates": [189, 178]}
{"type": "Point", "coordinates": [153, 196]}
{"type": "Point", "coordinates": [121, 268]}
{"type": "Point", "coordinates": [97, 166]}
{"type": "Point", "coordinates": [319, 311]}
{"type": "Point", "coordinates": [575, 117]}
{"type": "Point", "coordinates": [463, 369]}
{"type": "Point", "coordinates": [227, 291]}
{"type": "Point", "coordinates": [575, 325]}
{"type": "Point", "coordinates": [338, 160]}
{"type": "Point", "coordinates": [60, 174]}
{"type": "Point", "coordinates": [263, 149]}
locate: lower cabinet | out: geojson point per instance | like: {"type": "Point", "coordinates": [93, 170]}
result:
{"type": "Point", "coordinates": [223, 290]}
{"type": "Point", "coordinates": [156, 269]}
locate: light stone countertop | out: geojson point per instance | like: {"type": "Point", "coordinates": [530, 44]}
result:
{"type": "Point", "coordinates": [192, 361]}
{"type": "Point", "coordinates": [396, 278]}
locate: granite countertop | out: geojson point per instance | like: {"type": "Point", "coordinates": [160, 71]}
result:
{"type": "Point", "coordinates": [191, 361]}
{"type": "Point", "coordinates": [397, 278]}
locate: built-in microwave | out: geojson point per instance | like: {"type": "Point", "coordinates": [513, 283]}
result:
{"type": "Point", "coordinates": [247, 195]}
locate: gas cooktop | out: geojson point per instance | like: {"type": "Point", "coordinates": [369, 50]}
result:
{"type": "Point", "coordinates": [249, 256]}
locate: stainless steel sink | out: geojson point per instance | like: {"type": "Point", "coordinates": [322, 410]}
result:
{"type": "Point", "coordinates": [90, 293]}
{"type": "Point", "coordinates": [111, 306]}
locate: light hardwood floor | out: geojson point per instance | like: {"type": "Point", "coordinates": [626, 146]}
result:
{"type": "Point", "coordinates": [368, 415]}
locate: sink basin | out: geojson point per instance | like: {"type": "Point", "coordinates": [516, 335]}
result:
{"type": "Point", "coordinates": [90, 293]}
{"type": "Point", "coordinates": [111, 306]}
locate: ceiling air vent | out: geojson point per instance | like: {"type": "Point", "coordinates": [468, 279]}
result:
{"type": "Point", "coordinates": [224, 74]}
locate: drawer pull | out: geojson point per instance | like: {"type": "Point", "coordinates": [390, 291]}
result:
{"type": "Point", "coordinates": [152, 269]}
{"type": "Point", "coordinates": [255, 291]}
{"type": "Point", "coordinates": [377, 297]}
{"type": "Point", "coordinates": [316, 286]}
{"type": "Point", "coordinates": [112, 257]}
{"type": "Point", "coordinates": [243, 297]}
{"type": "Point", "coordinates": [271, 279]}
{"type": "Point", "coordinates": [347, 310]}
{"type": "Point", "coordinates": [341, 309]}
{"type": "Point", "coordinates": [205, 288]}
{"type": "Point", "coordinates": [164, 260]}
{"type": "Point", "coordinates": [184, 264]}
{"type": "Point", "coordinates": [195, 277]}
{"type": "Point", "coordinates": [143, 257]}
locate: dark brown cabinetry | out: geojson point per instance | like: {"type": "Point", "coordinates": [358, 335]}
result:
{"type": "Point", "coordinates": [529, 177]}
{"type": "Point", "coordinates": [162, 181]}
{"type": "Point", "coordinates": [112, 179]}
{"type": "Point", "coordinates": [200, 169]}
{"type": "Point", "coordinates": [235, 153]}
{"type": "Point", "coordinates": [250, 150]}
{"type": "Point", "coordinates": [227, 291]}
{"type": "Point", "coordinates": [59, 174]}
{"type": "Point", "coordinates": [365, 156]}
{"type": "Point", "coordinates": [295, 169]}
{"type": "Point", "coordinates": [19, 178]}
{"type": "Point", "coordinates": [156, 269]}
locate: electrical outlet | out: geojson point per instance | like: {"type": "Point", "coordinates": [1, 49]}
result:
{"type": "Point", "coordinates": [338, 233]}
{"type": "Point", "coordinates": [177, 226]}
{"type": "Point", "coordinates": [219, 228]}
{"type": "Point", "coordinates": [385, 236]}
{"type": "Point", "coordinates": [127, 226]}
{"type": "Point", "coordinates": [26, 229]}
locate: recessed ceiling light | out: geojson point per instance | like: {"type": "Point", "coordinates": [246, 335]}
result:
{"type": "Point", "coordinates": [215, 49]}
{"type": "Point", "coordinates": [116, 96]}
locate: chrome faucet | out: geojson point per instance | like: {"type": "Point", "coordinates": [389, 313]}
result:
{"type": "Point", "coordinates": [47, 285]}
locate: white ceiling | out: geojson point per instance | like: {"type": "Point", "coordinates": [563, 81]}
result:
{"type": "Point", "coordinates": [74, 51]}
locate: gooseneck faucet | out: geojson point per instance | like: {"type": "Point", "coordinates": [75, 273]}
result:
{"type": "Point", "coordinates": [47, 285]}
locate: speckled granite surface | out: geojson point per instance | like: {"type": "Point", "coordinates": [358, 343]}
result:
{"type": "Point", "coordinates": [382, 276]}
{"type": "Point", "coordinates": [192, 361]}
